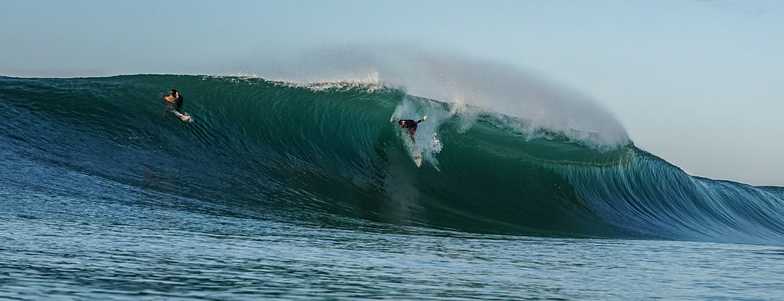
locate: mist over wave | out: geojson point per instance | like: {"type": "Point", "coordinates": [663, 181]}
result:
{"type": "Point", "coordinates": [462, 82]}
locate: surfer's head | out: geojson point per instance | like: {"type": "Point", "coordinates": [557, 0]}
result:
{"type": "Point", "coordinates": [402, 122]}
{"type": "Point", "coordinates": [173, 92]}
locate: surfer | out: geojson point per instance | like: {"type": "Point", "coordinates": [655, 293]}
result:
{"type": "Point", "coordinates": [410, 125]}
{"type": "Point", "coordinates": [175, 100]}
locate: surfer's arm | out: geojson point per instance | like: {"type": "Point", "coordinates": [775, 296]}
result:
{"type": "Point", "coordinates": [423, 119]}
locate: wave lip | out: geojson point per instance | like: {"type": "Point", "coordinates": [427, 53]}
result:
{"type": "Point", "coordinates": [462, 82]}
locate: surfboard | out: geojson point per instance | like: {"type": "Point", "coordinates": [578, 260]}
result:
{"type": "Point", "coordinates": [183, 117]}
{"type": "Point", "coordinates": [417, 155]}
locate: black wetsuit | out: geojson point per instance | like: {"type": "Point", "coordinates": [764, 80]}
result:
{"type": "Point", "coordinates": [177, 105]}
{"type": "Point", "coordinates": [410, 125]}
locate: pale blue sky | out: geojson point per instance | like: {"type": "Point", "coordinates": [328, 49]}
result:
{"type": "Point", "coordinates": [699, 83]}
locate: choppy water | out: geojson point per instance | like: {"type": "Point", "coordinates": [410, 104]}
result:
{"type": "Point", "coordinates": [180, 254]}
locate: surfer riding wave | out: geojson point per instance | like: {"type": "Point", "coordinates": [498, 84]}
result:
{"type": "Point", "coordinates": [409, 124]}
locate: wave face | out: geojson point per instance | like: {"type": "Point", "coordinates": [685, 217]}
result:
{"type": "Point", "coordinates": [321, 151]}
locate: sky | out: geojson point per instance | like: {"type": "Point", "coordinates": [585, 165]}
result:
{"type": "Point", "coordinates": [698, 83]}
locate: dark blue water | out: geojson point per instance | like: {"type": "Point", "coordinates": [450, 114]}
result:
{"type": "Point", "coordinates": [307, 192]}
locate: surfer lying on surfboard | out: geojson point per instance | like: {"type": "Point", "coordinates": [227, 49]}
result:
{"type": "Point", "coordinates": [174, 100]}
{"type": "Point", "coordinates": [410, 125]}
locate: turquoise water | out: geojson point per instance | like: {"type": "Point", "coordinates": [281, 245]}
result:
{"type": "Point", "coordinates": [286, 191]}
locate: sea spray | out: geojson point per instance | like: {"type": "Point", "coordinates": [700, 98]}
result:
{"type": "Point", "coordinates": [492, 87]}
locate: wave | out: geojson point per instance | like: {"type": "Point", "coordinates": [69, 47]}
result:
{"type": "Point", "coordinates": [300, 151]}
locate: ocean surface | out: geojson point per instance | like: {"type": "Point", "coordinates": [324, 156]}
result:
{"type": "Point", "coordinates": [278, 190]}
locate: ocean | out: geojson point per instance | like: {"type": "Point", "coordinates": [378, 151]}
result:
{"type": "Point", "coordinates": [278, 190]}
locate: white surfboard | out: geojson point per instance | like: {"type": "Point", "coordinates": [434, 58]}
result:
{"type": "Point", "coordinates": [183, 117]}
{"type": "Point", "coordinates": [417, 155]}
